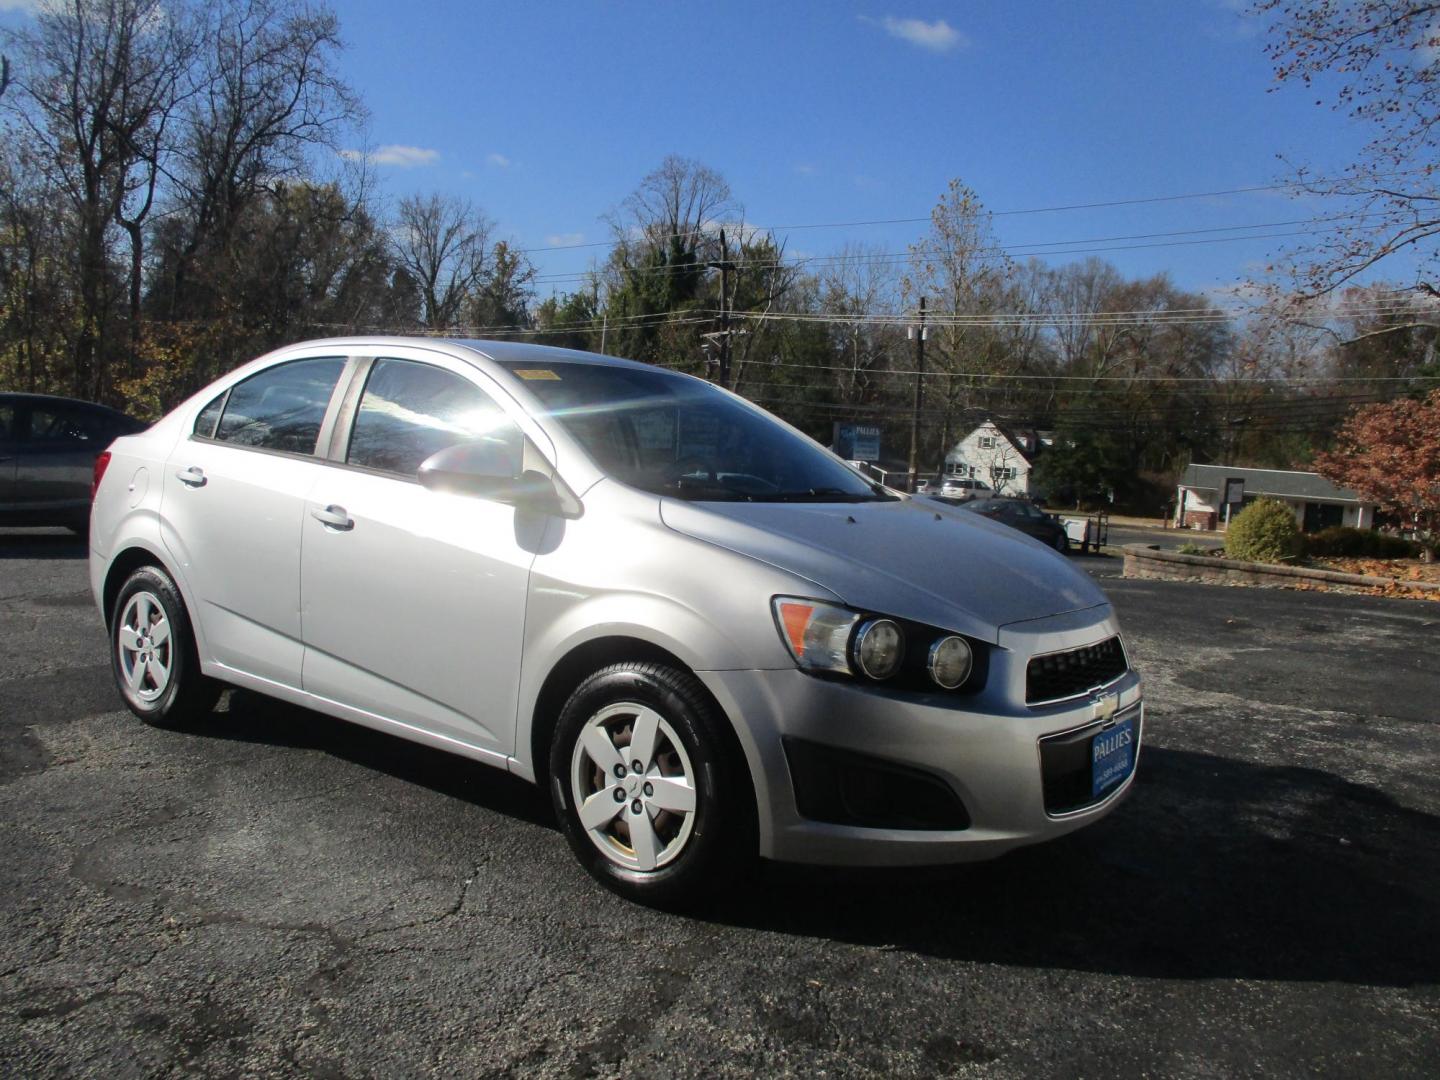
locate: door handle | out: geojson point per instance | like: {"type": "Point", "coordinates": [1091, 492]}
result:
{"type": "Point", "coordinates": [194, 476]}
{"type": "Point", "coordinates": [334, 517]}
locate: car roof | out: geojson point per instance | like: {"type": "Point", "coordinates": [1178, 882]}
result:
{"type": "Point", "coordinates": [25, 397]}
{"type": "Point", "coordinates": [503, 352]}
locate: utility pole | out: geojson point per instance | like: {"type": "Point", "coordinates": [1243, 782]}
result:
{"type": "Point", "coordinates": [919, 397]}
{"type": "Point", "coordinates": [724, 313]}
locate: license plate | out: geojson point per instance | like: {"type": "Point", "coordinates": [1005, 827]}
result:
{"type": "Point", "coordinates": [1112, 756]}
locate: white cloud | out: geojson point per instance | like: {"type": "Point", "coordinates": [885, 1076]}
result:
{"type": "Point", "coordinates": [568, 239]}
{"type": "Point", "coordinates": [937, 36]}
{"type": "Point", "coordinates": [402, 157]}
{"type": "Point", "coordinates": [805, 169]}
{"type": "Point", "coordinates": [30, 7]}
{"type": "Point", "coordinates": [500, 161]}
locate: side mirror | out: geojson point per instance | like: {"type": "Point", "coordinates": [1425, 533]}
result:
{"type": "Point", "coordinates": [489, 470]}
{"type": "Point", "coordinates": [483, 469]}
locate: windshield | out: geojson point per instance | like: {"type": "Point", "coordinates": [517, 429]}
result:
{"type": "Point", "coordinates": [671, 435]}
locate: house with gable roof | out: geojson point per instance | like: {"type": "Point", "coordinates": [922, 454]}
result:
{"type": "Point", "coordinates": [1001, 456]}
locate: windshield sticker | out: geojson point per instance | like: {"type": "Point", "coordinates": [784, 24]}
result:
{"type": "Point", "coordinates": [537, 373]}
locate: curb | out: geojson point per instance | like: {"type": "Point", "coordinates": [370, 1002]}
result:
{"type": "Point", "coordinates": [1148, 561]}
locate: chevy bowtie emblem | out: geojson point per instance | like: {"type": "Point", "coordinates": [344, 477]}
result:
{"type": "Point", "coordinates": [1103, 706]}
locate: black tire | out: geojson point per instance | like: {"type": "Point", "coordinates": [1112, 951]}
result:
{"type": "Point", "coordinates": [187, 695]}
{"type": "Point", "coordinates": [720, 847]}
{"type": "Point", "coordinates": [1062, 544]}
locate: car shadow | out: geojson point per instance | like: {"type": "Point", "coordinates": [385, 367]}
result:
{"type": "Point", "coordinates": [1213, 868]}
{"type": "Point", "coordinates": [254, 718]}
{"type": "Point", "coordinates": [17, 543]}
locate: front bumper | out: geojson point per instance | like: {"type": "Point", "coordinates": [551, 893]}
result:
{"type": "Point", "coordinates": [986, 748]}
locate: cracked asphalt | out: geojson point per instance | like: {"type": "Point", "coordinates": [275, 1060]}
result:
{"type": "Point", "coordinates": [276, 893]}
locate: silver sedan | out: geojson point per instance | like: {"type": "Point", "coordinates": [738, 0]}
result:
{"type": "Point", "coordinates": [703, 632]}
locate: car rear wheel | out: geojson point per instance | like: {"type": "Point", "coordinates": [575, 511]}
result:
{"type": "Point", "coordinates": [152, 653]}
{"type": "Point", "coordinates": [649, 794]}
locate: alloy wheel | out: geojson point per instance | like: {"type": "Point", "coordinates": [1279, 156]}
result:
{"type": "Point", "coordinates": [633, 786]}
{"type": "Point", "coordinates": [144, 647]}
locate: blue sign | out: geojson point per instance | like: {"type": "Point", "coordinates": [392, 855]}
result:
{"type": "Point", "coordinates": [857, 442]}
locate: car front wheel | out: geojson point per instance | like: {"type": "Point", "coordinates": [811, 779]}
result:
{"type": "Point", "coordinates": [649, 793]}
{"type": "Point", "coordinates": [1062, 543]}
{"type": "Point", "coordinates": [152, 652]}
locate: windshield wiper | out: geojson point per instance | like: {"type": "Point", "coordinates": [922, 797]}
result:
{"type": "Point", "coordinates": [822, 494]}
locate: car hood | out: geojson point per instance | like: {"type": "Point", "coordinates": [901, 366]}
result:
{"type": "Point", "coordinates": [955, 570]}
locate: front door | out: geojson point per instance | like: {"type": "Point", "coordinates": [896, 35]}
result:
{"type": "Point", "coordinates": [1322, 516]}
{"type": "Point", "coordinates": [413, 602]}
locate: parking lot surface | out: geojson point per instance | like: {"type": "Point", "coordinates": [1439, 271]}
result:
{"type": "Point", "coordinates": [278, 893]}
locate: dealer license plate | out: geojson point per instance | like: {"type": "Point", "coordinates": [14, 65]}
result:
{"type": "Point", "coordinates": [1112, 756]}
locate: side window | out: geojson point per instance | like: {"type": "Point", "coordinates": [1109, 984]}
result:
{"type": "Point", "coordinates": [411, 410]}
{"type": "Point", "coordinates": [61, 425]}
{"type": "Point", "coordinates": [281, 408]}
{"type": "Point", "coordinates": [209, 416]}
{"type": "Point", "coordinates": [7, 422]}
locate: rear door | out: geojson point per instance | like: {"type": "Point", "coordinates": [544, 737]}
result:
{"type": "Point", "coordinates": [9, 441]}
{"type": "Point", "coordinates": [414, 601]}
{"type": "Point", "coordinates": [234, 498]}
{"type": "Point", "coordinates": [56, 458]}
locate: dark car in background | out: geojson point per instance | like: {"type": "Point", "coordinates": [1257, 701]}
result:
{"type": "Point", "coordinates": [1023, 515]}
{"type": "Point", "coordinates": [48, 447]}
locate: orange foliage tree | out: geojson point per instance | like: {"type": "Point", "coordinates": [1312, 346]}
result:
{"type": "Point", "coordinates": [1390, 452]}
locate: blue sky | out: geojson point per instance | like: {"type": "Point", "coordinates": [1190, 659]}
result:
{"type": "Point", "coordinates": [546, 113]}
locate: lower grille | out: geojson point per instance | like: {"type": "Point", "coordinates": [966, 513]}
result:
{"type": "Point", "coordinates": [846, 788]}
{"type": "Point", "coordinates": [1061, 675]}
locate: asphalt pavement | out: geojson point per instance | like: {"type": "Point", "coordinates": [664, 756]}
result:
{"type": "Point", "coordinates": [277, 893]}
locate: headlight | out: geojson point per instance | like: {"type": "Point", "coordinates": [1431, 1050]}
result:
{"type": "Point", "coordinates": [817, 635]}
{"type": "Point", "coordinates": [950, 661]}
{"type": "Point", "coordinates": [879, 648]}
{"type": "Point", "coordinates": [827, 638]}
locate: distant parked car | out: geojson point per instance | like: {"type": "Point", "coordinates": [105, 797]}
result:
{"type": "Point", "coordinates": [962, 487]}
{"type": "Point", "coordinates": [48, 447]}
{"type": "Point", "coordinates": [1022, 514]}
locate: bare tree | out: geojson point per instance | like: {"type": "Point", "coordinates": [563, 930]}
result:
{"type": "Point", "coordinates": [666, 236]}
{"type": "Point", "coordinates": [964, 274]}
{"type": "Point", "coordinates": [1379, 62]}
{"type": "Point", "coordinates": [442, 241]}
{"type": "Point", "coordinates": [673, 207]}
{"type": "Point", "coordinates": [268, 98]}
{"type": "Point", "coordinates": [856, 284]}
{"type": "Point", "coordinates": [99, 79]}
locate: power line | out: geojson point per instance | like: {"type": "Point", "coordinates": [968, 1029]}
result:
{"type": "Point", "coordinates": [1061, 208]}
{"type": "Point", "coordinates": [996, 253]}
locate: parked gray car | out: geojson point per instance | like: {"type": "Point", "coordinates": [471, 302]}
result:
{"type": "Point", "coordinates": [704, 633]}
{"type": "Point", "coordinates": [48, 447]}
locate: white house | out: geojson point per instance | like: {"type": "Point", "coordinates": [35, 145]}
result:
{"type": "Point", "coordinates": [1315, 501]}
{"type": "Point", "coordinates": [998, 455]}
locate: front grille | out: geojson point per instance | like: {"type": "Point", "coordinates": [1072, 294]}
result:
{"type": "Point", "coordinates": [1061, 675]}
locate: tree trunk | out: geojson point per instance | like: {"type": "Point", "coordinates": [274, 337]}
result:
{"type": "Point", "coordinates": [137, 258]}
